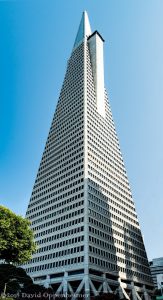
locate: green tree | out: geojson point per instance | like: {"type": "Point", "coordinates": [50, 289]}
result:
{"type": "Point", "coordinates": [16, 238]}
{"type": "Point", "coordinates": [11, 279]}
{"type": "Point", "coordinates": [15, 283]}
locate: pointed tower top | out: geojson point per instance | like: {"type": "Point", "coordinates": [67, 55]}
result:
{"type": "Point", "coordinates": [84, 29]}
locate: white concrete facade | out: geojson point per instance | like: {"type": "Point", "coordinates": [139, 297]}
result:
{"type": "Point", "coordinates": [95, 43]}
{"type": "Point", "coordinates": [81, 208]}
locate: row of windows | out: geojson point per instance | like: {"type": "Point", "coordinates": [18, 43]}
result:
{"type": "Point", "coordinates": [100, 243]}
{"type": "Point", "coordinates": [108, 200]}
{"type": "Point", "coordinates": [129, 237]}
{"type": "Point", "coordinates": [50, 175]}
{"type": "Point", "coordinates": [123, 193]}
{"type": "Point", "coordinates": [57, 204]}
{"type": "Point", "coordinates": [46, 188]}
{"type": "Point", "coordinates": [102, 153]}
{"type": "Point", "coordinates": [60, 140]}
{"type": "Point", "coordinates": [60, 244]}
{"type": "Point", "coordinates": [78, 221]}
{"type": "Point", "coordinates": [66, 129]}
{"type": "Point", "coordinates": [56, 264]}
{"type": "Point", "coordinates": [57, 186]}
{"type": "Point", "coordinates": [100, 209]}
{"type": "Point", "coordinates": [60, 196]}
{"type": "Point", "coordinates": [60, 219]}
{"type": "Point", "coordinates": [104, 158]}
{"type": "Point", "coordinates": [69, 96]}
{"type": "Point", "coordinates": [69, 141]}
{"type": "Point", "coordinates": [106, 191]}
{"type": "Point", "coordinates": [140, 258]}
{"type": "Point", "coordinates": [75, 67]}
{"type": "Point", "coordinates": [108, 212]}
{"type": "Point", "coordinates": [106, 220]}
{"type": "Point", "coordinates": [102, 253]}
{"type": "Point", "coordinates": [118, 199]}
{"type": "Point", "coordinates": [130, 246]}
{"type": "Point", "coordinates": [112, 170]}
{"type": "Point", "coordinates": [77, 54]}
{"type": "Point", "coordinates": [72, 85]}
{"type": "Point", "coordinates": [105, 150]}
{"type": "Point", "coordinates": [103, 263]}
{"type": "Point", "coordinates": [52, 222]}
{"type": "Point", "coordinates": [57, 254]}
{"type": "Point", "coordinates": [129, 241]}
{"type": "Point", "coordinates": [108, 186]}
{"type": "Point", "coordinates": [107, 172]}
{"type": "Point", "coordinates": [57, 126]}
{"type": "Point", "coordinates": [58, 212]}
{"type": "Point", "coordinates": [105, 227]}
{"type": "Point", "coordinates": [76, 107]}
{"type": "Point", "coordinates": [73, 73]}
{"type": "Point", "coordinates": [101, 234]}
{"type": "Point", "coordinates": [61, 235]}
{"type": "Point", "coordinates": [102, 150]}
{"type": "Point", "coordinates": [106, 181]}
{"type": "Point", "coordinates": [136, 274]}
{"type": "Point", "coordinates": [92, 126]}
{"type": "Point", "coordinates": [75, 64]}
{"type": "Point", "coordinates": [99, 216]}
{"type": "Point", "coordinates": [128, 263]}
{"type": "Point", "coordinates": [105, 130]}
{"type": "Point", "coordinates": [64, 161]}
{"type": "Point", "coordinates": [59, 158]}
{"type": "Point", "coordinates": [105, 126]}
{"type": "Point", "coordinates": [66, 171]}
{"type": "Point", "coordinates": [58, 153]}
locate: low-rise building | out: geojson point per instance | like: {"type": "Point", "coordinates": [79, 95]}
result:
{"type": "Point", "coordinates": [156, 266]}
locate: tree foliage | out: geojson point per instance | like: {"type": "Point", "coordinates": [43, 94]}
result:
{"type": "Point", "coordinates": [13, 277]}
{"type": "Point", "coordinates": [16, 238]}
{"type": "Point", "coordinates": [15, 283]}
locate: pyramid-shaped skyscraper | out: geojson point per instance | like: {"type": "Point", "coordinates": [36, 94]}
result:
{"type": "Point", "coordinates": [81, 208]}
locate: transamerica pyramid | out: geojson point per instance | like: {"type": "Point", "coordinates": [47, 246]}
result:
{"type": "Point", "coordinates": [81, 208]}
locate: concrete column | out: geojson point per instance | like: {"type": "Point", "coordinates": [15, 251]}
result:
{"type": "Point", "coordinates": [105, 289]}
{"type": "Point", "coordinates": [121, 291]}
{"type": "Point", "coordinates": [65, 285]}
{"type": "Point", "coordinates": [146, 295]}
{"type": "Point", "coordinates": [87, 287]}
{"type": "Point", "coordinates": [134, 296]}
{"type": "Point", "coordinates": [47, 282]}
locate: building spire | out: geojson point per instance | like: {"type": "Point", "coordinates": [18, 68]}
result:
{"type": "Point", "coordinates": [84, 29]}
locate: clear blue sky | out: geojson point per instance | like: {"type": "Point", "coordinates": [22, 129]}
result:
{"type": "Point", "coordinates": [36, 39]}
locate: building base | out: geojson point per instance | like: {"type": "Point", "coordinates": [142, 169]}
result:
{"type": "Point", "coordinates": [88, 286]}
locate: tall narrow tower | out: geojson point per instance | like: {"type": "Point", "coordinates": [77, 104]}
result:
{"type": "Point", "coordinates": [81, 208]}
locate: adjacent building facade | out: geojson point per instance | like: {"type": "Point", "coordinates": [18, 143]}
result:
{"type": "Point", "coordinates": [156, 266]}
{"type": "Point", "coordinates": [81, 208]}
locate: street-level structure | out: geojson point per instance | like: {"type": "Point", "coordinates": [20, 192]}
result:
{"type": "Point", "coordinates": [156, 266]}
